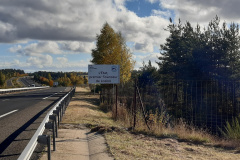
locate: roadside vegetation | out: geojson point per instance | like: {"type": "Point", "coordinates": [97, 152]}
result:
{"type": "Point", "coordinates": [177, 143]}
{"type": "Point", "coordinates": [192, 96]}
{"type": "Point", "coordinates": [6, 74]}
{"type": "Point", "coordinates": [63, 79]}
{"type": "Point", "coordinates": [44, 78]}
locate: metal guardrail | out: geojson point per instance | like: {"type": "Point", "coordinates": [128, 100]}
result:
{"type": "Point", "coordinates": [2, 91]}
{"type": "Point", "coordinates": [58, 110]}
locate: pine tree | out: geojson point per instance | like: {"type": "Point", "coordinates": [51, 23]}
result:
{"type": "Point", "coordinates": [192, 54]}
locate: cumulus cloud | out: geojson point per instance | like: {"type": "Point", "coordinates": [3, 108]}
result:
{"type": "Point", "coordinates": [54, 20]}
{"type": "Point", "coordinates": [52, 47]}
{"type": "Point", "coordinates": [70, 27]}
{"type": "Point", "coordinates": [79, 66]}
{"type": "Point", "coordinates": [37, 48]}
{"type": "Point", "coordinates": [160, 13]}
{"type": "Point", "coordinates": [152, 1]}
{"type": "Point", "coordinates": [62, 60]}
{"type": "Point", "coordinates": [203, 11]}
{"type": "Point", "coordinates": [57, 28]}
{"type": "Point", "coordinates": [77, 46]}
{"type": "Point", "coordinates": [144, 58]}
{"type": "Point", "coordinates": [141, 29]}
{"type": "Point", "coordinates": [40, 61]}
{"type": "Point", "coordinates": [75, 20]}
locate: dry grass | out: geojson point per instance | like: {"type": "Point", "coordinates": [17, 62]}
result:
{"type": "Point", "coordinates": [84, 110]}
{"type": "Point", "coordinates": [125, 146]}
{"type": "Point", "coordinates": [178, 143]}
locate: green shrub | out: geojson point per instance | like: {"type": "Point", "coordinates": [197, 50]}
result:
{"type": "Point", "coordinates": [232, 131]}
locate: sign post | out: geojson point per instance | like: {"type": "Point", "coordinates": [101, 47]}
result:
{"type": "Point", "coordinates": [104, 74]}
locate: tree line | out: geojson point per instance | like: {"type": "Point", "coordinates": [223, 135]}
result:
{"type": "Point", "coordinates": [8, 73]}
{"type": "Point", "coordinates": [198, 70]}
{"type": "Point", "coordinates": [198, 74]}
{"type": "Point", "coordinates": [63, 78]}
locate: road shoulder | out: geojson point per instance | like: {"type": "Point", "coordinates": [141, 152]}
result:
{"type": "Point", "coordinates": [75, 140]}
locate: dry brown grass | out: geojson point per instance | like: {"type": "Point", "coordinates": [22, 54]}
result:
{"type": "Point", "coordinates": [125, 146]}
{"type": "Point", "coordinates": [159, 143]}
{"type": "Point", "coordinates": [84, 109]}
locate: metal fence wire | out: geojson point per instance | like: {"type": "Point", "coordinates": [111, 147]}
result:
{"type": "Point", "coordinates": [204, 104]}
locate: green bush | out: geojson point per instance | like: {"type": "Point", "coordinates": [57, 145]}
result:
{"type": "Point", "coordinates": [232, 131]}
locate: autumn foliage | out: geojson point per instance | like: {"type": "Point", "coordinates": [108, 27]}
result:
{"type": "Point", "coordinates": [71, 79]}
{"type": "Point", "coordinates": [111, 48]}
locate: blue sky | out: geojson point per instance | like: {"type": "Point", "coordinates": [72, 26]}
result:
{"type": "Point", "coordinates": [59, 35]}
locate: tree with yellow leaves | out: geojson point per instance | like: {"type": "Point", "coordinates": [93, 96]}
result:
{"type": "Point", "coordinates": [111, 49]}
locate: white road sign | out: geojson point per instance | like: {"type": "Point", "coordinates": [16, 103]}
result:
{"type": "Point", "coordinates": [103, 74]}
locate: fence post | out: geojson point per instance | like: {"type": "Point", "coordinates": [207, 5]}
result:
{"type": "Point", "coordinates": [135, 103]}
{"type": "Point", "coordinates": [116, 100]}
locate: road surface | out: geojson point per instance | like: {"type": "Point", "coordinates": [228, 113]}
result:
{"type": "Point", "coordinates": [21, 115]}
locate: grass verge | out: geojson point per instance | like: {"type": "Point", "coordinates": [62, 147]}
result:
{"type": "Point", "coordinates": [180, 142]}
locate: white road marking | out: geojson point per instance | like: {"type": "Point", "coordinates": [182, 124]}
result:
{"type": "Point", "coordinates": [5, 100]}
{"type": "Point", "coordinates": [50, 96]}
{"type": "Point", "coordinates": [8, 113]}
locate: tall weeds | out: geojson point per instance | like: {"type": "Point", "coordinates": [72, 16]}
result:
{"type": "Point", "coordinates": [232, 131]}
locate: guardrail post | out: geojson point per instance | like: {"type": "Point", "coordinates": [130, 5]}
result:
{"type": "Point", "coordinates": [50, 125]}
{"type": "Point", "coordinates": [57, 112]}
{"type": "Point", "coordinates": [64, 106]}
{"type": "Point", "coordinates": [60, 111]}
{"type": "Point", "coordinates": [46, 140]}
{"type": "Point", "coordinates": [54, 118]}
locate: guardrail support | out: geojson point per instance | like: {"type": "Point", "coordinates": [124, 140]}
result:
{"type": "Point", "coordinates": [50, 125]}
{"type": "Point", "coordinates": [57, 112]}
{"type": "Point", "coordinates": [54, 119]}
{"type": "Point", "coordinates": [46, 140]}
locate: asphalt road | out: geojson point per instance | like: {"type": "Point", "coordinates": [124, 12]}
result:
{"type": "Point", "coordinates": [20, 116]}
{"type": "Point", "coordinates": [9, 82]}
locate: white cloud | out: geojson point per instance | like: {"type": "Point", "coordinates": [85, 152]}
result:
{"type": "Point", "coordinates": [41, 61]}
{"type": "Point", "coordinates": [77, 46]}
{"type": "Point", "coordinates": [203, 11]}
{"type": "Point", "coordinates": [16, 61]}
{"type": "Point", "coordinates": [70, 27]}
{"type": "Point", "coordinates": [159, 13]}
{"type": "Point", "coordinates": [153, 57]}
{"type": "Point", "coordinates": [76, 20]}
{"type": "Point", "coordinates": [62, 60]}
{"type": "Point", "coordinates": [37, 48]}
{"type": "Point", "coordinates": [80, 65]}
{"type": "Point", "coordinates": [152, 1]}
{"type": "Point", "coordinates": [52, 47]}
